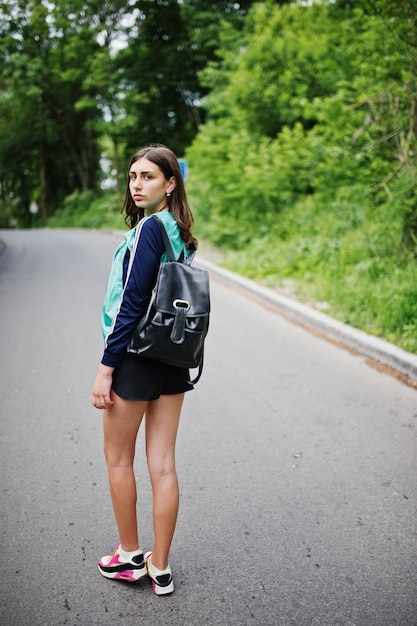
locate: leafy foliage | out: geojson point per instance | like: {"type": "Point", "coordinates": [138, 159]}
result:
{"type": "Point", "coordinates": [306, 165]}
{"type": "Point", "coordinates": [49, 100]}
{"type": "Point", "coordinates": [73, 72]}
{"type": "Point", "coordinates": [83, 209]}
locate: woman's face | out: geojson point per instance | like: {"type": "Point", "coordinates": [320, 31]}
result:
{"type": "Point", "coordinates": [148, 186]}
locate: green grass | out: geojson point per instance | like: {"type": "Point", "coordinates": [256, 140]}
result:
{"type": "Point", "coordinates": [345, 263]}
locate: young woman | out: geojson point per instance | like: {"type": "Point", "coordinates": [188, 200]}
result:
{"type": "Point", "coordinates": [129, 388]}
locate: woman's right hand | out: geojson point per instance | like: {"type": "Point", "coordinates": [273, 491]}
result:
{"type": "Point", "coordinates": [101, 393]}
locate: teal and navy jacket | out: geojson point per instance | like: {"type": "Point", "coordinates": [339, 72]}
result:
{"type": "Point", "coordinates": [132, 277]}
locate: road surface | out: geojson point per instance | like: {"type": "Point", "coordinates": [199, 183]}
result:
{"type": "Point", "coordinates": [297, 464]}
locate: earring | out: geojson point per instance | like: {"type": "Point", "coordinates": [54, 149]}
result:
{"type": "Point", "coordinates": [168, 195]}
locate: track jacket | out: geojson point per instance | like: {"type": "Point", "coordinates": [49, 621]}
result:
{"type": "Point", "coordinates": [132, 277]}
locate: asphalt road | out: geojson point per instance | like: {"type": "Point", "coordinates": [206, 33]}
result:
{"type": "Point", "coordinates": [297, 464]}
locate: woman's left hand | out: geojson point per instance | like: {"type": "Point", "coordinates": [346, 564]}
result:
{"type": "Point", "coordinates": [101, 394]}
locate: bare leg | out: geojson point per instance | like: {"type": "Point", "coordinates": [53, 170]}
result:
{"type": "Point", "coordinates": [162, 419]}
{"type": "Point", "coordinates": [121, 423]}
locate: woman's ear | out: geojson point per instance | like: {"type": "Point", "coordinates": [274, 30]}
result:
{"type": "Point", "coordinates": [172, 183]}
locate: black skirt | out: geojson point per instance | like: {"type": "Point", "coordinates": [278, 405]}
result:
{"type": "Point", "coordinates": [144, 379]}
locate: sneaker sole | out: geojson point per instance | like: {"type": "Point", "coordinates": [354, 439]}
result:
{"type": "Point", "coordinates": [130, 575]}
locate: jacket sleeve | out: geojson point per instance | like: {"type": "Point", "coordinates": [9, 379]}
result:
{"type": "Point", "coordinates": [144, 264]}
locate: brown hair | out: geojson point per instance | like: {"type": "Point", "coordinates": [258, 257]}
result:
{"type": "Point", "coordinates": [167, 162]}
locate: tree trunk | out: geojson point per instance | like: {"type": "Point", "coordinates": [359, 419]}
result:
{"type": "Point", "coordinates": [43, 184]}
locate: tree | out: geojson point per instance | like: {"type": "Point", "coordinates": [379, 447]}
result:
{"type": "Point", "coordinates": [393, 108]}
{"type": "Point", "coordinates": [169, 44]}
{"type": "Point", "coordinates": [317, 96]}
{"type": "Point", "coordinates": [50, 98]}
{"type": "Point", "coordinates": [75, 74]}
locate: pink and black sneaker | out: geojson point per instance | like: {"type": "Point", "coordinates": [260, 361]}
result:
{"type": "Point", "coordinates": [116, 567]}
{"type": "Point", "coordinates": [162, 582]}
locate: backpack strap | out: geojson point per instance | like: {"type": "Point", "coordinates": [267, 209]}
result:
{"type": "Point", "coordinates": [168, 246]}
{"type": "Point", "coordinates": [200, 370]}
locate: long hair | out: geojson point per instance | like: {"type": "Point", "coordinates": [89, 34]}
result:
{"type": "Point", "coordinates": [167, 162]}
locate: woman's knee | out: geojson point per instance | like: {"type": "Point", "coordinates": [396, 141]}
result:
{"type": "Point", "coordinates": [161, 467]}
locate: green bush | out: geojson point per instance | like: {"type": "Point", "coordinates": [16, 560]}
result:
{"type": "Point", "coordinates": [83, 209]}
{"type": "Point", "coordinates": [343, 259]}
{"type": "Point", "coordinates": [305, 170]}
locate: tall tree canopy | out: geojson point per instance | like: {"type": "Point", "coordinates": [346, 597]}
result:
{"type": "Point", "coordinates": [51, 89]}
{"type": "Point", "coordinates": [75, 71]}
{"type": "Point", "coordinates": [311, 99]}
